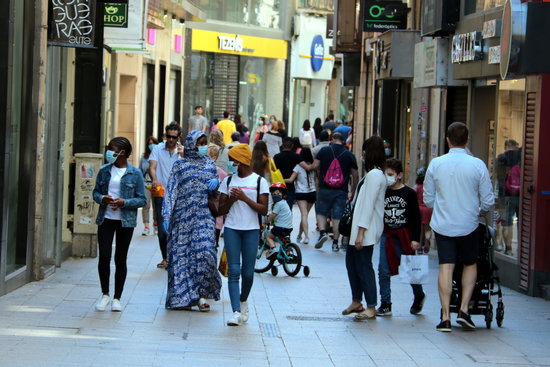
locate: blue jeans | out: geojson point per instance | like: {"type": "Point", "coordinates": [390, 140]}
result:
{"type": "Point", "coordinates": [240, 244]}
{"type": "Point", "coordinates": [361, 274]}
{"type": "Point", "coordinates": [162, 235]}
{"type": "Point", "coordinates": [384, 274]}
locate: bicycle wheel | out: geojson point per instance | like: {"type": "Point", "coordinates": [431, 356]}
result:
{"type": "Point", "coordinates": [293, 259]}
{"type": "Point", "coordinates": [263, 264]}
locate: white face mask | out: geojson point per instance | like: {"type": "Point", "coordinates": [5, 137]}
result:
{"type": "Point", "coordinates": [391, 180]}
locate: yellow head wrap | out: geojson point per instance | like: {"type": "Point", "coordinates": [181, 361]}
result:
{"type": "Point", "coordinates": [241, 153]}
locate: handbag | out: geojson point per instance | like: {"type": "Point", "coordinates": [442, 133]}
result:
{"type": "Point", "coordinates": [276, 175]}
{"type": "Point", "coordinates": [344, 227]}
{"type": "Point", "coordinates": [414, 269]}
{"type": "Point", "coordinates": [223, 267]}
{"type": "Point", "coordinates": [214, 204]}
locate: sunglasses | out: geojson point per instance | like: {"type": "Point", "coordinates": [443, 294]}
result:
{"type": "Point", "coordinates": [172, 136]}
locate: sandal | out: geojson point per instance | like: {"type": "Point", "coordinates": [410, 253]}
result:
{"type": "Point", "coordinates": [163, 264]}
{"type": "Point", "coordinates": [351, 309]}
{"type": "Point", "coordinates": [203, 306]}
{"type": "Point", "coordinates": [367, 314]}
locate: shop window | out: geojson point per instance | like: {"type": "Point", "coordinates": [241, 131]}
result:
{"type": "Point", "coordinates": [263, 13]}
{"type": "Point", "coordinates": [252, 89]}
{"type": "Point", "coordinates": [474, 6]}
{"type": "Point", "coordinates": [508, 138]}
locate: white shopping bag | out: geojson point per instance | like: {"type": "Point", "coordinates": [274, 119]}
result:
{"type": "Point", "coordinates": [414, 269]}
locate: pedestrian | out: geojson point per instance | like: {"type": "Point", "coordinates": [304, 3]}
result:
{"type": "Point", "coordinates": [198, 121]}
{"type": "Point", "coordinates": [330, 123]}
{"type": "Point", "coordinates": [317, 127]}
{"type": "Point", "coordinates": [119, 190]}
{"type": "Point", "coordinates": [234, 140]}
{"type": "Point", "coordinates": [260, 160]}
{"type": "Point", "coordinates": [324, 140]}
{"type": "Point", "coordinates": [366, 228]}
{"type": "Point", "coordinates": [425, 212]}
{"type": "Point", "coordinates": [282, 128]}
{"type": "Point", "coordinates": [192, 255]}
{"type": "Point", "coordinates": [227, 126]}
{"type": "Point", "coordinates": [280, 217]}
{"type": "Point", "coordinates": [285, 161]}
{"type": "Point", "coordinates": [161, 161]}
{"type": "Point", "coordinates": [244, 197]}
{"type": "Point", "coordinates": [304, 184]}
{"type": "Point", "coordinates": [216, 138]}
{"type": "Point", "coordinates": [402, 225]}
{"type": "Point", "coordinates": [273, 139]}
{"type": "Point", "coordinates": [308, 138]}
{"type": "Point", "coordinates": [457, 186]}
{"type": "Point", "coordinates": [343, 129]}
{"type": "Point", "coordinates": [334, 179]}
{"type": "Point", "coordinates": [213, 153]}
{"type": "Point", "coordinates": [144, 167]}
{"type": "Point", "coordinates": [261, 129]}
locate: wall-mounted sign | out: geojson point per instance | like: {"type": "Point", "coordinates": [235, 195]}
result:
{"type": "Point", "coordinates": [381, 16]}
{"type": "Point", "coordinates": [230, 43]}
{"type": "Point", "coordinates": [115, 15]}
{"type": "Point", "coordinates": [491, 28]}
{"type": "Point", "coordinates": [71, 23]}
{"type": "Point", "coordinates": [317, 53]}
{"type": "Point", "coordinates": [131, 35]}
{"type": "Point", "coordinates": [466, 47]}
{"type": "Point", "coordinates": [494, 55]}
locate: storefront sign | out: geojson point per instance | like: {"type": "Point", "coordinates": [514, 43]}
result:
{"type": "Point", "coordinates": [115, 15]}
{"type": "Point", "coordinates": [491, 28]}
{"type": "Point", "coordinates": [71, 23]}
{"type": "Point", "coordinates": [131, 37]}
{"type": "Point", "coordinates": [317, 53]}
{"type": "Point", "coordinates": [466, 47]}
{"type": "Point", "coordinates": [494, 55]}
{"type": "Point", "coordinates": [511, 38]}
{"type": "Point", "coordinates": [381, 16]}
{"type": "Point", "coordinates": [230, 43]}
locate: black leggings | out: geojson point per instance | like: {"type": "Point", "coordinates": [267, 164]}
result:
{"type": "Point", "coordinates": [105, 234]}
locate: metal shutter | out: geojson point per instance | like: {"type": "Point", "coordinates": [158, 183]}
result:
{"type": "Point", "coordinates": [226, 84]}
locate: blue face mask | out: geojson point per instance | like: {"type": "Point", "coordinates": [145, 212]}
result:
{"type": "Point", "coordinates": [231, 169]}
{"type": "Point", "coordinates": [203, 150]}
{"type": "Point", "coordinates": [151, 146]}
{"type": "Point", "coordinates": [388, 152]}
{"type": "Point", "coordinates": [111, 156]}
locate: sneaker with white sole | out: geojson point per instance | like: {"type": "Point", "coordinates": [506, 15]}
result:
{"type": "Point", "coordinates": [322, 239]}
{"type": "Point", "coordinates": [305, 241]}
{"type": "Point", "coordinates": [103, 303]}
{"type": "Point", "coordinates": [235, 320]}
{"type": "Point", "coordinates": [271, 252]}
{"type": "Point", "coordinates": [116, 306]}
{"type": "Point", "coordinates": [244, 311]}
{"type": "Point", "coordinates": [384, 309]}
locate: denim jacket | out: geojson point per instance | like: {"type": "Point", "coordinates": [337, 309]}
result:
{"type": "Point", "coordinates": [132, 190]}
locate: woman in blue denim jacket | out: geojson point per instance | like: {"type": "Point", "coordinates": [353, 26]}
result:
{"type": "Point", "coordinates": [120, 191]}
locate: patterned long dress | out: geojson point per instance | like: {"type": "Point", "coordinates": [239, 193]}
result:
{"type": "Point", "coordinates": [192, 255]}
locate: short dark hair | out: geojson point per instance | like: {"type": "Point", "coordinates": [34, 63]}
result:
{"type": "Point", "coordinates": [394, 164]}
{"type": "Point", "coordinates": [374, 153]}
{"type": "Point", "coordinates": [123, 144]}
{"type": "Point", "coordinates": [307, 125]}
{"type": "Point", "coordinates": [225, 114]}
{"type": "Point", "coordinates": [288, 143]}
{"type": "Point", "coordinates": [457, 132]}
{"type": "Point", "coordinates": [236, 136]}
{"type": "Point", "coordinates": [324, 135]}
{"type": "Point", "coordinates": [197, 107]}
{"type": "Point", "coordinates": [338, 136]}
{"type": "Point", "coordinates": [173, 126]}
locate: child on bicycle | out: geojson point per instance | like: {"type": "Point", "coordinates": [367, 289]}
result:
{"type": "Point", "coordinates": [281, 216]}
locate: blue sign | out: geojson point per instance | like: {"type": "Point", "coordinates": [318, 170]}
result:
{"type": "Point", "coordinates": [317, 53]}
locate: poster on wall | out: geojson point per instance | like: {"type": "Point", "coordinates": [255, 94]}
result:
{"type": "Point", "coordinates": [128, 23]}
{"type": "Point", "coordinates": [71, 23]}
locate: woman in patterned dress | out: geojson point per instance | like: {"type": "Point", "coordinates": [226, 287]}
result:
{"type": "Point", "coordinates": [192, 262]}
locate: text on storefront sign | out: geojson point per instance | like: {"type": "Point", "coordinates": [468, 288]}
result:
{"type": "Point", "coordinates": [466, 47]}
{"type": "Point", "coordinates": [72, 23]}
{"type": "Point", "coordinates": [230, 43]}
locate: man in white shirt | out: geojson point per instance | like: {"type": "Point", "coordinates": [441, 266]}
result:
{"type": "Point", "coordinates": [161, 160]}
{"type": "Point", "coordinates": [457, 187]}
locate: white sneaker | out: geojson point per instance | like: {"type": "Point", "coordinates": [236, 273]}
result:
{"type": "Point", "coordinates": [244, 312]}
{"type": "Point", "coordinates": [103, 303]}
{"type": "Point", "coordinates": [116, 306]}
{"type": "Point", "coordinates": [235, 320]}
{"type": "Point", "coordinates": [271, 252]}
{"type": "Point", "coordinates": [305, 241]}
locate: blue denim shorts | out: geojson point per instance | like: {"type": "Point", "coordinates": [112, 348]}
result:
{"type": "Point", "coordinates": [331, 203]}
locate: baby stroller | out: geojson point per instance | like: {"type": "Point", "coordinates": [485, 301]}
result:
{"type": "Point", "coordinates": [487, 284]}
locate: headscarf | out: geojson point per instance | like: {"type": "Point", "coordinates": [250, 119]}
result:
{"type": "Point", "coordinates": [241, 153]}
{"type": "Point", "coordinates": [190, 145]}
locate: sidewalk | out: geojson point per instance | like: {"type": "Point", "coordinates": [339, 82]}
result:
{"type": "Point", "coordinates": [293, 322]}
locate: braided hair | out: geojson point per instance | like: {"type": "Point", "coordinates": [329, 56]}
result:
{"type": "Point", "coordinates": [123, 144]}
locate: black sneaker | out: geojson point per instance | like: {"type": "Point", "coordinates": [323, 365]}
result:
{"type": "Point", "coordinates": [417, 305]}
{"type": "Point", "coordinates": [465, 321]}
{"type": "Point", "coordinates": [323, 237]}
{"type": "Point", "coordinates": [444, 326]}
{"type": "Point", "coordinates": [384, 310]}
{"type": "Point", "coordinates": [335, 247]}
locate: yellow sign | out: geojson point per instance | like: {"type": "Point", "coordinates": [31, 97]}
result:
{"type": "Point", "coordinates": [234, 44]}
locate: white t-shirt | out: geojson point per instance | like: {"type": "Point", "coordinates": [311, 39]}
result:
{"type": "Point", "coordinates": [241, 216]}
{"type": "Point", "coordinates": [114, 191]}
{"type": "Point", "coordinates": [302, 184]}
{"type": "Point", "coordinates": [165, 160]}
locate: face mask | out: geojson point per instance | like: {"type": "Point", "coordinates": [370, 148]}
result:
{"type": "Point", "coordinates": [276, 198]}
{"type": "Point", "coordinates": [231, 169]}
{"type": "Point", "coordinates": [272, 121]}
{"type": "Point", "coordinates": [151, 146]}
{"type": "Point", "coordinates": [388, 152]}
{"type": "Point", "coordinates": [203, 150]}
{"type": "Point", "coordinates": [111, 156]}
{"type": "Point", "coordinates": [391, 180]}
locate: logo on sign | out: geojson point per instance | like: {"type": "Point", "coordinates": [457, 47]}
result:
{"type": "Point", "coordinates": [230, 43]}
{"type": "Point", "coordinates": [317, 53]}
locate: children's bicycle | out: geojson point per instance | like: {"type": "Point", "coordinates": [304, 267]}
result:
{"type": "Point", "coordinates": [289, 255]}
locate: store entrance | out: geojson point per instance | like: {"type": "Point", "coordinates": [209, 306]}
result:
{"type": "Point", "coordinates": [302, 97]}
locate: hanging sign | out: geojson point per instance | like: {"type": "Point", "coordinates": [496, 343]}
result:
{"type": "Point", "coordinates": [115, 15]}
{"type": "Point", "coordinates": [71, 23]}
{"type": "Point", "coordinates": [317, 53]}
{"type": "Point", "coordinates": [381, 16]}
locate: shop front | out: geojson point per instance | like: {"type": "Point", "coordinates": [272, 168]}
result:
{"type": "Point", "coordinates": [235, 73]}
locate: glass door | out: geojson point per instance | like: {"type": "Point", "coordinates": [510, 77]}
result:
{"type": "Point", "coordinates": [301, 104]}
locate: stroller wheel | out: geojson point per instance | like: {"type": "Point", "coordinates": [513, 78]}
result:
{"type": "Point", "coordinates": [306, 271]}
{"type": "Point", "coordinates": [500, 313]}
{"type": "Point", "coordinates": [274, 271]}
{"type": "Point", "coordinates": [489, 317]}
